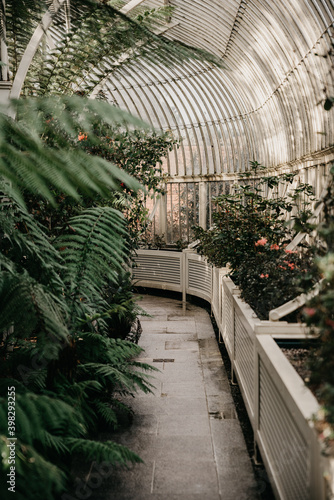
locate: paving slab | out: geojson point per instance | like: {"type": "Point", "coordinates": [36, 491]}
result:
{"type": "Point", "coordinates": [186, 431]}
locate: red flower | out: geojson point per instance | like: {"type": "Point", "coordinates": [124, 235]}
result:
{"type": "Point", "coordinates": [290, 251]}
{"type": "Point", "coordinates": [264, 275]}
{"type": "Point", "coordinates": [82, 137]}
{"type": "Point", "coordinates": [274, 246]}
{"type": "Point", "coordinates": [261, 242]}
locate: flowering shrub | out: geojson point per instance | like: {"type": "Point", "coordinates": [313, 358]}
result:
{"type": "Point", "coordinates": [319, 315]}
{"type": "Point", "coordinates": [138, 152]}
{"type": "Point", "coordinates": [273, 276]}
{"type": "Point", "coordinates": [249, 234]}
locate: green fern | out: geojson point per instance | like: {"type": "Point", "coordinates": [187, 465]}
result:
{"type": "Point", "coordinates": [26, 245]}
{"type": "Point", "coordinates": [31, 307]}
{"type": "Point", "coordinates": [105, 411]}
{"type": "Point", "coordinates": [42, 426]}
{"type": "Point", "coordinates": [121, 378]}
{"type": "Point", "coordinates": [93, 250]}
{"type": "Point", "coordinates": [40, 151]}
{"type": "Point", "coordinates": [67, 378]}
{"type": "Point", "coordinates": [107, 451]}
{"type": "Point", "coordinates": [22, 17]}
{"type": "Point", "coordinates": [101, 41]}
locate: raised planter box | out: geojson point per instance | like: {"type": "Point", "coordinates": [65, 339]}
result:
{"type": "Point", "coordinates": [279, 405]}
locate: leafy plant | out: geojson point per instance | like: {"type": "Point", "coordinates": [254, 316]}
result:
{"type": "Point", "coordinates": [39, 149]}
{"type": "Point", "coordinates": [249, 234]}
{"type": "Point", "coordinates": [271, 269]}
{"type": "Point", "coordinates": [319, 315]}
{"type": "Point", "coordinates": [58, 351]}
{"type": "Point", "coordinates": [123, 306]}
{"type": "Point", "coordinates": [99, 42]}
{"type": "Point", "coordinates": [139, 153]}
{"type": "Point", "coordinates": [56, 348]}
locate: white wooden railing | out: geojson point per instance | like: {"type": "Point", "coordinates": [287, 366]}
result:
{"type": "Point", "coordinates": [279, 405]}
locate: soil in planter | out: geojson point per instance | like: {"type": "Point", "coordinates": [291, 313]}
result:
{"type": "Point", "coordinates": [298, 358]}
{"type": "Point", "coordinates": [298, 353]}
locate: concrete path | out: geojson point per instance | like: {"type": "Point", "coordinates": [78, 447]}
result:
{"type": "Point", "coordinates": [187, 432]}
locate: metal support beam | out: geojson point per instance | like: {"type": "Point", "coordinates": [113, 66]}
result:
{"type": "Point", "coordinates": [5, 88]}
{"type": "Point", "coordinates": [33, 46]}
{"type": "Point", "coordinates": [203, 200]}
{"type": "Point", "coordinates": [163, 217]}
{"type": "Point", "coordinates": [4, 73]}
{"type": "Point", "coordinates": [130, 6]}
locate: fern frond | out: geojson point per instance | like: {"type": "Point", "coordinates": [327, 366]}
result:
{"type": "Point", "coordinates": [105, 411]}
{"type": "Point", "coordinates": [31, 307]}
{"type": "Point", "coordinates": [26, 244]}
{"type": "Point", "coordinates": [52, 442]}
{"type": "Point", "coordinates": [22, 17]}
{"type": "Point", "coordinates": [92, 251]}
{"type": "Point", "coordinates": [101, 40]}
{"type": "Point", "coordinates": [108, 451]}
{"type": "Point", "coordinates": [122, 379]}
{"type": "Point", "coordinates": [42, 421]}
{"type": "Point", "coordinates": [41, 471]}
{"type": "Point", "coordinates": [40, 151]}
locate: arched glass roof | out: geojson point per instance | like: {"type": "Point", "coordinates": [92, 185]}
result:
{"type": "Point", "coordinates": [264, 103]}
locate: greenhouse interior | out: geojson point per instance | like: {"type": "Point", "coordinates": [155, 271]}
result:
{"type": "Point", "coordinates": [167, 249]}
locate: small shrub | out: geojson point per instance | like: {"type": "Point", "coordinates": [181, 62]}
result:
{"type": "Point", "coordinates": [319, 314]}
{"type": "Point", "coordinates": [249, 234]}
{"type": "Point", "coordinates": [272, 276]}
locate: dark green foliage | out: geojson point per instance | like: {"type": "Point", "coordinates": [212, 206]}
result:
{"type": "Point", "coordinates": [40, 149]}
{"type": "Point", "coordinates": [319, 313]}
{"type": "Point", "coordinates": [139, 153]}
{"type": "Point", "coordinates": [21, 19]}
{"type": "Point", "coordinates": [56, 350]}
{"type": "Point", "coordinates": [55, 345]}
{"type": "Point", "coordinates": [67, 372]}
{"type": "Point", "coordinates": [123, 309]}
{"type": "Point", "coordinates": [50, 431]}
{"type": "Point", "coordinates": [264, 275]}
{"type": "Point", "coordinates": [250, 233]}
{"type": "Point", "coordinates": [93, 251]}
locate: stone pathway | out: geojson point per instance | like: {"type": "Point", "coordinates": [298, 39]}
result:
{"type": "Point", "coordinates": [187, 432]}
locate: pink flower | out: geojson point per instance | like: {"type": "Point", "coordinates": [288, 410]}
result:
{"type": "Point", "coordinates": [290, 251]}
{"type": "Point", "coordinates": [274, 246]}
{"type": "Point", "coordinates": [261, 242]}
{"type": "Point", "coordinates": [309, 311]}
{"type": "Point", "coordinates": [264, 275]}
